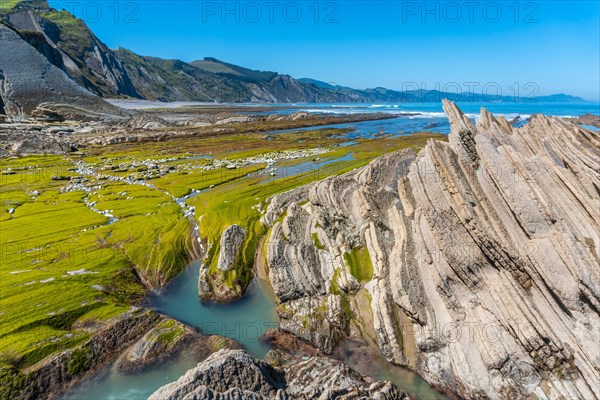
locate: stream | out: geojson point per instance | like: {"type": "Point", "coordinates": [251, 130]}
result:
{"type": "Point", "coordinates": [244, 320]}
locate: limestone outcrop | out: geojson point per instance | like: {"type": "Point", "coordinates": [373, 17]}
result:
{"type": "Point", "coordinates": [214, 285]}
{"type": "Point", "coordinates": [233, 374]}
{"type": "Point", "coordinates": [231, 243]}
{"type": "Point", "coordinates": [480, 257]}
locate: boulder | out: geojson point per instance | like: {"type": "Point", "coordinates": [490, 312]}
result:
{"type": "Point", "coordinates": [231, 242]}
{"type": "Point", "coordinates": [233, 374]}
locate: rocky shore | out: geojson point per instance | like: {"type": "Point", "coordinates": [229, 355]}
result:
{"type": "Point", "coordinates": [136, 340]}
{"type": "Point", "coordinates": [473, 262]}
{"type": "Point", "coordinates": [57, 134]}
{"type": "Point", "coordinates": [233, 374]}
{"type": "Point", "coordinates": [484, 255]}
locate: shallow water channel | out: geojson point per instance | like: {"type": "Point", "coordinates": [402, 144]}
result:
{"type": "Point", "coordinates": [244, 320]}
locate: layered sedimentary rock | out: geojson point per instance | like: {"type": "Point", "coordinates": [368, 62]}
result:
{"type": "Point", "coordinates": [51, 377]}
{"type": "Point", "coordinates": [28, 79]}
{"type": "Point", "coordinates": [213, 285]}
{"type": "Point", "coordinates": [167, 339]}
{"type": "Point", "coordinates": [231, 243]}
{"type": "Point", "coordinates": [233, 374]}
{"type": "Point", "coordinates": [484, 253]}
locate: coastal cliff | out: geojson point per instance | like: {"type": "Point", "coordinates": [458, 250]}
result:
{"type": "Point", "coordinates": [479, 258]}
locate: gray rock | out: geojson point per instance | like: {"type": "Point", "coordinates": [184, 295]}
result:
{"type": "Point", "coordinates": [233, 374]}
{"type": "Point", "coordinates": [167, 339]}
{"type": "Point", "coordinates": [484, 252]}
{"type": "Point", "coordinates": [22, 89]}
{"type": "Point", "coordinates": [231, 242]}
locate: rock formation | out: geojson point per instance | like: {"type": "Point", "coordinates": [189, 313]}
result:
{"type": "Point", "coordinates": [233, 374]}
{"type": "Point", "coordinates": [231, 242]}
{"type": "Point", "coordinates": [28, 79]}
{"type": "Point", "coordinates": [165, 340]}
{"type": "Point", "coordinates": [214, 284]}
{"type": "Point", "coordinates": [586, 119]}
{"type": "Point", "coordinates": [484, 255]}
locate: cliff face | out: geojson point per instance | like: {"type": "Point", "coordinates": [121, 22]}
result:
{"type": "Point", "coordinates": [480, 257]}
{"type": "Point", "coordinates": [28, 79]}
{"type": "Point", "coordinates": [71, 46]}
{"type": "Point", "coordinates": [67, 43]}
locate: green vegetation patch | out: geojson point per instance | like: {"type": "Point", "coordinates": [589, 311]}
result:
{"type": "Point", "coordinates": [66, 268]}
{"type": "Point", "coordinates": [358, 261]}
{"type": "Point", "coordinates": [317, 242]}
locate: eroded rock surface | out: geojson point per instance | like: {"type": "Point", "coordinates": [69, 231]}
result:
{"type": "Point", "coordinates": [233, 374]}
{"type": "Point", "coordinates": [484, 253]}
{"type": "Point", "coordinates": [23, 89]}
{"type": "Point", "coordinates": [165, 340]}
{"type": "Point", "coordinates": [231, 243]}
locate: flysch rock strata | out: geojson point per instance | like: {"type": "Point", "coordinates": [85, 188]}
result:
{"type": "Point", "coordinates": [484, 253]}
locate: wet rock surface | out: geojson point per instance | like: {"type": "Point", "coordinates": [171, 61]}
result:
{"type": "Point", "coordinates": [484, 254]}
{"type": "Point", "coordinates": [48, 379]}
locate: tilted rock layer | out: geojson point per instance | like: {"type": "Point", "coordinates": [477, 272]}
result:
{"type": "Point", "coordinates": [484, 253]}
{"type": "Point", "coordinates": [233, 374]}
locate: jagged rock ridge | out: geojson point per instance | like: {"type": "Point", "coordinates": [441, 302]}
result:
{"type": "Point", "coordinates": [484, 253]}
{"type": "Point", "coordinates": [233, 374]}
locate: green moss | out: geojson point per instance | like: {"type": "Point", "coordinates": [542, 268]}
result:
{"type": "Point", "coordinates": [169, 337]}
{"type": "Point", "coordinates": [334, 288]}
{"type": "Point", "coordinates": [359, 263]}
{"type": "Point", "coordinates": [80, 361]}
{"type": "Point", "coordinates": [220, 343]}
{"type": "Point", "coordinates": [317, 242]}
{"type": "Point", "coordinates": [12, 382]}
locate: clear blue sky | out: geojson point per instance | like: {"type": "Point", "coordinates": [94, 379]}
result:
{"type": "Point", "coordinates": [554, 44]}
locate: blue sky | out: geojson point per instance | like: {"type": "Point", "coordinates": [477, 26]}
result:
{"type": "Point", "coordinates": [542, 46]}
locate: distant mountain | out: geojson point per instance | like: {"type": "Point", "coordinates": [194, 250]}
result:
{"type": "Point", "coordinates": [66, 42]}
{"type": "Point", "coordinates": [325, 85]}
{"type": "Point", "coordinates": [560, 98]}
{"type": "Point", "coordinates": [222, 68]}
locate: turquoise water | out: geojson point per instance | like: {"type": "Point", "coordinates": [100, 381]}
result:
{"type": "Point", "coordinates": [111, 384]}
{"type": "Point", "coordinates": [244, 320]}
{"type": "Point", "coordinates": [369, 361]}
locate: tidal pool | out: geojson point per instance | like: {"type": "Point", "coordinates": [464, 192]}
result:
{"type": "Point", "coordinates": [244, 320]}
